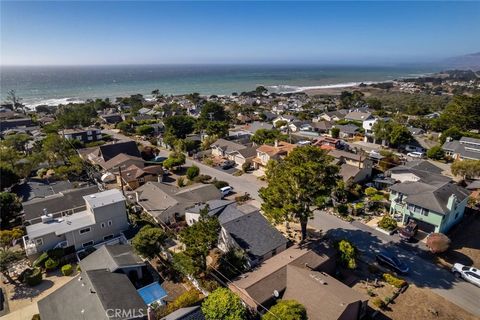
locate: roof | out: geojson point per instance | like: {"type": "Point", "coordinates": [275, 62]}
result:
{"type": "Point", "coordinates": [40, 188]}
{"type": "Point", "coordinates": [119, 159]}
{"type": "Point", "coordinates": [228, 146]}
{"type": "Point", "coordinates": [348, 171]}
{"type": "Point", "coordinates": [322, 125]}
{"type": "Point", "coordinates": [348, 128]}
{"type": "Point", "coordinates": [109, 151]}
{"type": "Point", "coordinates": [111, 258]}
{"type": "Point", "coordinates": [59, 202]}
{"type": "Point", "coordinates": [152, 293]}
{"type": "Point", "coordinates": [470, 140]}
{"type": "Point", "coordinates": [465, 148]}
{"type": "Point", "coordinates": [257, 125]}
{"type": "Point", "coordinates": [189, 313]}
{"type": "Point", "coordinates": [431, 196]}
{"type": "Point", "coordinates": [90, 295]}
{"type": "Point", "coordinates": [474, 185]}
{"type": "Point", "coordinates": [282, 147]}
{"type": "Point", "coordinates": [324, 297]}
{"type": "Point", "coordinates": [248, 152]}
{"type": "Point", "coordinates": [344, 154]}
{"type": "Point", "coordinates": [104, 198]}
{"type": "Point", "coordinates": [62, 225]}
{"type": "Point", "coordinates": [253, 233]}
{"type": "Point", "coordinates": [423, 165]}
{"type": "Point", "coordinates": [358, 116]}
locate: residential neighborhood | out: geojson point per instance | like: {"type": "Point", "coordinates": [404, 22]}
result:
{"type": "Point", "coordinates": [163, 208]}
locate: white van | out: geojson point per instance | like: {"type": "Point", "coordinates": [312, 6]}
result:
{"type": "Point", "coordinates": [226, 190]}
{"type": "Point", "coordinates": [418, 155]}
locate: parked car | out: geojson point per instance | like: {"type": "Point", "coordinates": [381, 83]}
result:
{"type": "Point", "coordinates": [470, 274]}
{"type": "Point", "coordinates": [409, 231]}
{"type": "Point", "coordinates": [388, 259]}
{"type": "Point", "coordinates": [416, 154]}
{"type": "Point", "coordinates": [227, 164]}
{"type": "Point", "coordinates": [226, 190]}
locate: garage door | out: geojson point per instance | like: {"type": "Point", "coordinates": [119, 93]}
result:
{"type": "Point", "coordinates": [425, 226]}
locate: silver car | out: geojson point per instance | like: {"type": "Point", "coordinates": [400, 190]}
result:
{"type": "Point", "coordinates": [470, 274]}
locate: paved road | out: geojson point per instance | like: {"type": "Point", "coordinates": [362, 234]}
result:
{"type": "Point", "coordinates": [241, 184]}
{"type": "Point", "coordinates": [423, 272]}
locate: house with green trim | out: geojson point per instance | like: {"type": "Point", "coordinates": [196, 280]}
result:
{"type": "Point", "coordinates": [435, 204]}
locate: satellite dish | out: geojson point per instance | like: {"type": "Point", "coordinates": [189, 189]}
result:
{"type": "Point", "coordinates": [276, 294]}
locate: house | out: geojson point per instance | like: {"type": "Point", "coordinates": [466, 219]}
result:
{"type": "Point", "coordinates": [417, 170]}
{"type": "Point", "coordinates": [106, 152]}
{"type": "Point", "coordinates": [143, 117]}
{"type": "Point", "coordinates": [301, 273]}
{"type": "Point", "coordinates": [243, 155]}
{"type": "Point", "coordinates": [15, 124]}
{"type": "Point", "coordinates": [328, 143]}
{"type": "Point", "coordinates": [133, 176]}
{"type": "Point", "coordinates": [111, 285]}
{"type": "Point", "coordinates": [257, 125]}
{"type": "Point", "coordinates": [347, 130]}
{"type": "Point", "coordinates": [123, 161]}
{"type": "Point", "coordinates": [242, 227]}
{"type": "Point", "coordinates": [286, 117]}
{"type": "Point", "coordinates": [333, 116]}
{"type": "Point", "coordinates": [83, 135]}
{"type": "Point", "coordinates": [188, 313]}
{"type": "Point", "coordinates": [104, 218]}
{"type": "Point", "coordinates": [223, 148]}
{"type": "Point", "coordinates": [367, 126]}
{"type": "Point", "coordinates": [165, 203]}
{"type": "Point", "coordinates": [416, 131]}
{"type": "Point", "coordinates": [36, 188]}
{"type": "Point", "coordinates": [434, 204]}
{"type": "Point", "coordinates": [61, 203]}
{"type": "Point", "coordinates": [465, 148]}
{"type": "Point", "coordinates": [353, 159]}
{"type": "Point", "coordinates": [322, 126]}
{"type": "Point", "coordinates": [266, 153]}
{"type": "Point", "coordinates": [358, 116]}
{"type": "Point", "coordinates": [297, 125]}
{"type": "Point", "coordinates": [113, 118]}
{"type": "Point", "coordinates": [353, 167]}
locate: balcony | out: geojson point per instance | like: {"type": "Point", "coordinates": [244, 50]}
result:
{"type": "Point", "coordinates": [30, 246]}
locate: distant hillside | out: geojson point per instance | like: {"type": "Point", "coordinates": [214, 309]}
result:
{"type": "Point", "coordinates": [468, 61]}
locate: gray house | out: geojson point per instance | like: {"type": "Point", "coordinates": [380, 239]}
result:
{"type": "Point", "coordinates": [103, 219]}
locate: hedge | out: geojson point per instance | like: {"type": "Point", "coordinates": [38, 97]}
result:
{"type": "Point", "coordinates": [193, 172]}
{"type": "Point", "coordinates": [32, 277]}
{"type": "Point", "coordinates": [394, 281]}
{"type": "Point", "coordinates": [40, 261]}
{"type": "Point", "coordinates": [67, 270]}
{"type": "Point", "coordinates": [51, 264]}
{"type": "Point", "coordinates": [387, 223]}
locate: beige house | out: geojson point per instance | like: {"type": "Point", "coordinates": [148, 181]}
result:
{"type": "Point", "coordinates": [266, 153]}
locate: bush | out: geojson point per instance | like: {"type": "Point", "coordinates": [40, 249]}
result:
{"type": "Point", "coordinates": [67, 270]}
{"type": "Point", "coordinates": [193, 172]}
{"type": "Point", "coordinates": [379, 303]}
{"type": "Point", "coordinates": [40, 261]}
{"type": "Point", "coordinates": [436, 153]}
{"type": "Point", "coordinates": [342, 209]}
{"type": "Point", "coordinates": [32, 277]}
{"type": "Point", "coordinates": [246, 166]}
{"type": "Point", "coordinates": [394, 281]}
{"type": "Point", "coordinates": [56, 254]}
{"type": "Point", "coordinates": [387, 223]}
{"type": "Point", "coordinates": [348, 253]}
{"type": "Point", "coordinates": [180, 181]}
{"type": "Point", "coordinates": [186, 299]}
{"type": "Point", "coordinates": [370, 191]}
{"type": "Point", "coordinates": [209, 285]}
{"type": "Point", "coordinates": [220, 184]}
{"type": "Point", "coordinates": [36, 317]}
{"type": "Point", "coordinates": [243, 198]}
{"type": "Point", "coordinates": [371, 293]}
{"type": "Point", "coordinates": [51, 264]}
{"type": "Point", "coordinates": [203, 178]}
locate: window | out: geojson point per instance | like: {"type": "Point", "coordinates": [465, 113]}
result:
{"type": "Point", "coordinates": [102, 225]}
{"type": "Point", "coordinates": [110, 236]}
{"type": "Point", "coordinates": [90, 138]}
{"type": "Point", "coordinates": [456, 215]}
{"type": "Point", "coordinates": [87, 244]}
{"type": "Point", "coordinates": [85, 230]}
{"type": "Point", "coordinates": [424, 212]}
{"type": "Point", "coordinates": [39, 242]}
{"type": "Point", "coordinates": [110, 223]}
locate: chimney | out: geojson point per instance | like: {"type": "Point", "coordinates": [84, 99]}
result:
{"type": "Point", "coordinates": [452, 201]}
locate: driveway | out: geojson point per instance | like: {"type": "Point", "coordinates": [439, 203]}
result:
{"type": "Point", "coordinates": [423, 272]}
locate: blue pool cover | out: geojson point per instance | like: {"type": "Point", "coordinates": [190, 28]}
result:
{"type": "Point", "coordinates": [152, 293]}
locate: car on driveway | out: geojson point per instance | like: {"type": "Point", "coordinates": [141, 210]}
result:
{"type": "Point", "coordinates": [227, 164]}
{"type": "Point", "coordinates": [409, 231]}
{"type": "Point", "coordinates": [389, 260]}
{"type": "Point", "coordinates": [226, 190]}
{"type": "Point", "coordinates": [418, 155]}
{"type": "Point", "coordinates": [470, 274]}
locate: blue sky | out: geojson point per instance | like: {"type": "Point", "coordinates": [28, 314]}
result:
{"type": "Point", "coordinates": [79, 33]}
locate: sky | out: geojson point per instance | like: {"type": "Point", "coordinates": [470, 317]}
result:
{"type": "Point", "coordinates": [155, 32]}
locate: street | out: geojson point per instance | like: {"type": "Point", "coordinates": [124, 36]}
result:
{"type": "Point", "coordinates": [423, 273]}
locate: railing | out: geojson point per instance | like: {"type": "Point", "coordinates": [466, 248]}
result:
{"type": "Point", "coordinates": [30, 246]}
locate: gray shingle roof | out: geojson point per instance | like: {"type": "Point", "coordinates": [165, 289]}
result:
{"type": "Point", "coordinates": [254, 234]}
{"type": "Point", "coordinates": [423, 165]}
{"type": "Point", "coordinates": [189, 313]}
{"type": "Point", "coordinates": [111, 258]}
{"type": "Point", "coordinates": [109, 151]}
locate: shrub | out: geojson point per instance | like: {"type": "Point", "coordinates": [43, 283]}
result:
{"type": "Point", "coordinates": [180, 181]}
{"type": "Point", "coordinates": [348, 253]}
{"type": "Point", "coordinates": [36, 317]}
{"type": "Point", "coordinates": [32, 277]}
{"type": "Point", "coordinates": [51, 264]}
{"type": "Point", "coordinates": [371, 293]}
{"type": "Point", "coordinates": [342, 209]}
{"type": "Point", "coordinates": [220, 184]}
{"type": "Point", "coordinates": [394, 281]}
{"type": "Point", "coordinates": [370, 191]}
{"type": "Point", "coordinates": [209, 285]}
{"type": "Point", "coordinates": [246, 166]}
{"type": "Point", "coordinates": [377, 197]}
{"type": "Point", "coordinates": [79, 269]}
{"type": "Point", "coordinates": [243, 198]}
{"type": "Point", "coordinates": [67, 270]}
{"type": "Point", "coordinates": [40, 261]}
{"type": "Point", "coordinates": [203, 178]}
{"type": "Point", "coordinates": [436, 153]}
{"type": "Point", "coordinates": [56, 254]}
{"type": "Point", "coordinates": [387, 223]}
{"type": "Point", "coordinates": [186, 299]}
{"type": "Point", "coordinates": [193, 172]}
{"type": "Point", "coordinates": [379, 303]}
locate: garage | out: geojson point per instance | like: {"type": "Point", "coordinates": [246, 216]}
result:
{"type": "Point", "coordinates": [425, 226]}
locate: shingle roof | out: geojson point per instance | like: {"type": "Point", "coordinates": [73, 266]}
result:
{"type": "Point", "coordinates": [109, 151]}
{"type": "Point", "coordinates": [189, 313]}
{"type": "Point", "coordinates": [111, 258]}
{"type": "Point", "coordinates": [423, 165]}
{"type": "Point", "coordinates": [228, 146]}
{"type": "Point", "coordinates": [40, 188]}
{"type": "Point", "coordinates": [254, 234]}
{"type": "Point", "coordinates": [358, 116]}
{"type": "Point", "coordinates": [119, 159]}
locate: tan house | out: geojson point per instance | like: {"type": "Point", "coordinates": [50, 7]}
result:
{"type": "Point", "coordinates": [301, 274]}
{"type": "Point", "coordinates": [134, 176]}
{"type": "Point", "coordinates": [266, 153]}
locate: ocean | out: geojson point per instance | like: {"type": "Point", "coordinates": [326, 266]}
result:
{"type": "Point", "coordinates": [62, 84]}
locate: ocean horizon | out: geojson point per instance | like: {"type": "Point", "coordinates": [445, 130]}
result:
{"type": "Point", "coordinates": [53, 85]}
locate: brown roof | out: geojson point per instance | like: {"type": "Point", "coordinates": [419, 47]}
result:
{"type": "Point", "coordinates": [118, 160]}
{"type": "Point", "coordinates": [347, 155]}
{"type": "Point", "coordinates": [282, 147]}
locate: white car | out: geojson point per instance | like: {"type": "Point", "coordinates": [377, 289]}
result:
{"type": "Point", "coordinates": [226, 190]}
{"type": "Point", "coordinates": [470, 274]}
{"type": "Point", "coordinates": [416, 154]}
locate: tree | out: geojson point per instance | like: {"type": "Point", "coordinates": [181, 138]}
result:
{"type": "Point", "coordinates": [7, 257]}
{"type": "Point", "coordinates": [7, 177]}
{"type": "Point", "coordinates": [223, 304]}
{"type": "Point", "coordinates": [193, 172]}
{"type": "Point", "coordinates": [15, 101]}
{"type": "Point", "coordinates": [175, 159]}
{"type": "Point", "coordinates": [335, 132]}
{"type": "Point", "coordinates": [179, 126]}
{"type": "Point", "coordinates": [462, 112]}
{"type": "Point", "coordinates": [17, 141]}
{"type": "Point", "coordinates": [217, 128]}
{"type": "Point", "coordinates": [10, 206]}
{"type": "Point", "coordinates": [453, 133]}
{"type": "Point", "coordinates": [286, 310]}
{"type": "Point", "coordinates": [145, 130]}
{"type": "Point", "coordinates": [400, 135]}
{"type": "Point", "coordinates": [56, 148]}
{"type": "Point", "coordinates": [348, 253]}
{"type": "Point", "coordinates": [436, 153]}
{"type": "Point", "coordinates": [263, 136]}
{"type": "Point", "coordinates": [280, 123]}
{"type": "Point", "coordinates": [295, 183]}
{"type": "Point", "coordinates": [8, 236]}
{"type": "Point", "coordinates": [148, 240]}
{"type": "Point", "coordinates": [466, 168]}
{"type": "Point", "coordinates": [185, 264]}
